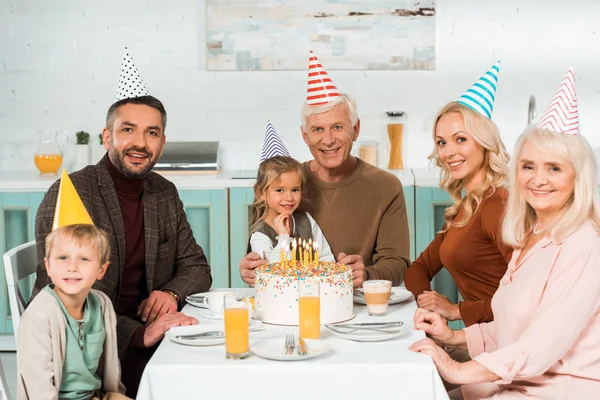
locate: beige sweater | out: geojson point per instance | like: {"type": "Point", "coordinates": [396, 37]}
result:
{"type": "Point", "coordinates": [41, 349]}
{"type": "Point", "coordinates": [363, 214]}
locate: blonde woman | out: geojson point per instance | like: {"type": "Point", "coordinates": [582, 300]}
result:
{"type": "Point", "coordinates": [473, 160]}
{"type": "Point", "coordinates": [544, 341]}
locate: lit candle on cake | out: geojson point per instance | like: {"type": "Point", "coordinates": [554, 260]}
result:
{"type": "Point", "coordinates": [310, 251]}
{"type": "Point", "coordinates": [316, 246]}
{"type": "Point", "coordinates": [294, 251]}
{"type": "Point", "coordinates": [300, 255]}
{"type": "Point", "coordinates": [305, 252]}
{"type": "Point", "coordinates": [281, 255]}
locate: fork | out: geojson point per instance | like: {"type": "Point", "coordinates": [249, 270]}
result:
{"type": "Point", "coordinates": [289, 344]}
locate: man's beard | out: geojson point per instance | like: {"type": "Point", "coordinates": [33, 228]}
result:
{"type": "Point", "coordinates": [119, 163]}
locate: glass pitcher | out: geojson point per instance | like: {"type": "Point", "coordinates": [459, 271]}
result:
{"type": "Point", "coordinates": [48, 157]}
{"type": "Point", "coordinates": [395, 128]}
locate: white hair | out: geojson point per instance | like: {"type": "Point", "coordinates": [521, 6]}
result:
{"type": "Point", "coordinates": [583, 204]}
{"type": "Point", "coordinates": [345, 99]}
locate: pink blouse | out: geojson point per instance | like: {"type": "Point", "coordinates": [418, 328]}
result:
{"type": "Point", "coordinates": [544, 341]}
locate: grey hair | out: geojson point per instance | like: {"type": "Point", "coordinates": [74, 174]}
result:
{"type": "Point", "coordinates": [345, 99]}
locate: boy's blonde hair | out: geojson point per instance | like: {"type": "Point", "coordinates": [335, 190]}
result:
{"type": "Point", "coordinates": [583, 204]}
{"type": "Point", "coordinates": [269, 171]}
{"type": "Point", "coordinates": [83, 235]}
{"type": "Point", "coordinates": [495, 160]}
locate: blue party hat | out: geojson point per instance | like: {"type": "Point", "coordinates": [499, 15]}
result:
{"type": "Point", "coordinates": [273, 145]}
{"type": "Point", "coordinates": [480, 97]}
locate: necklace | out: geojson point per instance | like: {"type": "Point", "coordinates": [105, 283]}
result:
{"type": "Point", "coordinates": [535, 231]}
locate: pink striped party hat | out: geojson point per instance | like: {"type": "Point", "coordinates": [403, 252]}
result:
{"type": "Point", "coordinates": [562, 114]}
{"type": "Point", "coordinates": [321, 89]}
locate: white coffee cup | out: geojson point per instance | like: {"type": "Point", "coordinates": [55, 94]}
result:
{"type": "Point", "coordinates": [215, 303]}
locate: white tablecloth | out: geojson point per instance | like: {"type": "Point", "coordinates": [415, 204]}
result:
{"type": "Point", "coordinates": [351, 370]}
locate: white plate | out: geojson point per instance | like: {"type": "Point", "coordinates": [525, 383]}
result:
{"type": "Point", "coordinates": [400, 295]}
{"type": "Point", "coordinates": [193, 329]}
{"type": "Point", "coordinates": [274, 349]}
{"type": "Point", "coordinates": [363, 335]}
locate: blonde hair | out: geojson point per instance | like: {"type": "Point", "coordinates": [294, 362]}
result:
{"type": "Point", "coordinates": [581, 206]}
{"type": "Point", "coordinates": [82, 235]}
{"type": "Point", "coordinates": [345, 99]}
{"type": "Point", "coordinates": [495, 160]}
{"type": "Point", "coordinates": [269, 171]}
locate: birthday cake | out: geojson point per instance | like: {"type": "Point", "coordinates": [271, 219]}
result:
{"type": "Point", "coordinates": [276, 291]}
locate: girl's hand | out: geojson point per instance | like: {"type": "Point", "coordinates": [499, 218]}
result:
{"type": "Point", "coordinates": [280, 224]}
{"type": "Point", "coordinates": [433, 325]}
{"type": "Point", "coordinates": [447, 367]}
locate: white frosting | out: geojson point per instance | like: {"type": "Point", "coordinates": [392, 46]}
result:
{"type": "Point", "coordinates": [276, 294]}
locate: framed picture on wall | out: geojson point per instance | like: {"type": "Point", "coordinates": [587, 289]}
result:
{"type": "Point", "coordinates": [272, 35]}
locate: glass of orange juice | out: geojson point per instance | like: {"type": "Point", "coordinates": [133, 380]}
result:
{"type": "Point", "coordinates": [309, 308]}
{"type": "Point", "coordinates": [48, 157]}
{"type": "Point", "coordinates": [236, 327]}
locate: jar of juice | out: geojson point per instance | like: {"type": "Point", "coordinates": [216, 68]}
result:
{"type": "Point", "coordinates": [48, 157]}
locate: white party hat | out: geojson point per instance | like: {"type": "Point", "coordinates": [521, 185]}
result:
{"type": "Point", "coordinates": [480, 97]}
{"type": "Point", "coordinates": [130, 82]}
{"type": "Point", "coordinates": [321, 89]}
{"type": "Point", "coordinates": [562, 114]}
{"type": "Point", "coordinates": [273, 145]}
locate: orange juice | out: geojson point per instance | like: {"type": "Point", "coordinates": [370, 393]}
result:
{"type": "Point", "coordinates": [310, 317]}
{"type": "Point", "coordinates": [236, 331]}
{"type": "Point", "coordinates": [48, 163]}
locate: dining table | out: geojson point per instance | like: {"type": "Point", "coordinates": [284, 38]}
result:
{"type": "Point", "coordinates": [348, 369]}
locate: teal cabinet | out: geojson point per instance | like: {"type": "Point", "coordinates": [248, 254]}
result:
{"type": "Point", "coordinates": [17, 226]}
{"type": "Point", "coordinates": [409, 198]}
{"type": "Point", "coordinates": [206, 211]}
{"type": "Point", "coordinates": [429, 213]}
{"type": "Point", "coordinates": [240, 211]}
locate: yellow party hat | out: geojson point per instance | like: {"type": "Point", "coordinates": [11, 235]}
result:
{"type": "Point", "coordinates": [69, 207]}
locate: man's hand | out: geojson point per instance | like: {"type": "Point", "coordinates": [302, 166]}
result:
{"type": "Point", "coordinates": [280, 224]}
{"type": "Point", "coordinates": [247, 265]}
{"type": "Point", "coordinates": [156, 330]}
{"type": "Point", "coordinates": [157, 304]}
{"type": "Point", "coordinates": [355, 262]}
{"type": "Point", "coordinates": [433, 301]}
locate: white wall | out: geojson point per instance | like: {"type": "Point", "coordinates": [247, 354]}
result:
{"type": "Point", "coordinates": [60, 59]}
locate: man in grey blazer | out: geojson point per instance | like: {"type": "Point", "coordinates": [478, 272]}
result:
{"type": "Point", "coordinates": [155, 261]}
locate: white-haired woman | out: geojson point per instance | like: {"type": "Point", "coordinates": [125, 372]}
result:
{"type": "Point", "coordinates": [544, 341]}
{"type": "Point", "coordinates": [473, 160]}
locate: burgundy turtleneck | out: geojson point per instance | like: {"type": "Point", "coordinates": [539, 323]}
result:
{"type": "Point", "coordinates": [133, 281]}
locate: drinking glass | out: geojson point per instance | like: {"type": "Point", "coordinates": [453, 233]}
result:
{"type": "Point", "coordinates": [48, 157]}
{"type": "Point", "coordinates": [236, 327]}
{"type": "Point", "coordinates": [377, 296]}
{"type": "Point", "coordinates": [309, 308]}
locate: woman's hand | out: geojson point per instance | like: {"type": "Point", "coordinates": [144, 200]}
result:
{"type": "Point", "coordinates": [446, 366]}
{"type": "Point", "coordinates": [434, 326]}
{"type": "Point", "coordinates": [433, 301]}
{"type": "Point", "coordinates": [280, 224]}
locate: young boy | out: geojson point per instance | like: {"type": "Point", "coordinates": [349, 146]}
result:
{"type": "Point", "coordinates": [67, 344]}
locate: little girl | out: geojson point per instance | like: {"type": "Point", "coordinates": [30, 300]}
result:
{"type": "Point", "coordinates": [275, 214]}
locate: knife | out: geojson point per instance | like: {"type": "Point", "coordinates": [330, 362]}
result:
{"type": "Point", "coordinates": [213, 334]}
{"type": "Point", "coordinates": [372, 324]}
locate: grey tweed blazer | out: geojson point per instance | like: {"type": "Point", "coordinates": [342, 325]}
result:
{"type": "Point", "coordinates": [174, 260]}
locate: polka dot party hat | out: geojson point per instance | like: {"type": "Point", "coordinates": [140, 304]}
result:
{"type": "Point", "coordinates": [130, 82]}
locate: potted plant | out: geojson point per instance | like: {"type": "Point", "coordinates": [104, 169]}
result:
{"type": "Point", "coordinates": [82, 150]}
{"type": "Point", "coordinates": [98, 150]}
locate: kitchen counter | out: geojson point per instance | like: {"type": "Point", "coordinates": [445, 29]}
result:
{"type": "Point", "coordinates": [31, 181]}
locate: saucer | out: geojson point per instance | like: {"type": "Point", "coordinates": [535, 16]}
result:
{"type": "Point", "coordinates": [363, 335]}
{"type": "Point", "coordinates": [274, 349]}
{"type": "Point", "coordinates": [399, 295]}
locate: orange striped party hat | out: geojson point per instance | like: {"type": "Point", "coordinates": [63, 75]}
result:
{"type": "Point", "coordinates": [562, 114]}
{"type": "Point", "coordinates": [321, 89]}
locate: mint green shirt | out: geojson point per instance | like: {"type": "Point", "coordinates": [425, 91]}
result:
{"type": "Point", "coordinates": [85, 343]}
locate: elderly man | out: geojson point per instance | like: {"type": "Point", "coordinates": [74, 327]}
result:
{"type": "Point", "coordinates": [360, 208]}
{"type": "Point", "coordinates": [155, 261]}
